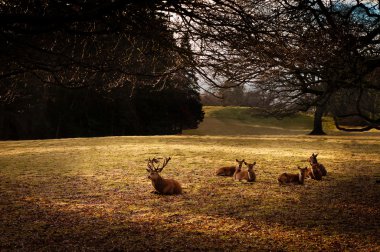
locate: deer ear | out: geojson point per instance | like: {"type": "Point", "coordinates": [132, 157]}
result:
{"type": "Point", "coordinates": [316, 155]}
{"type": "Point", "coordinates": [237, 160]}
{"type": "Point", "coordinates": [254, 163]}
{"type": "Point", "coordinates": [245, 163]}
{"type": "Point", "coordinates": [243, 160]}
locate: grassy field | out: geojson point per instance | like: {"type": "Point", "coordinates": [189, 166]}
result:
{"type": "Point", "coordinates": [92, 194]}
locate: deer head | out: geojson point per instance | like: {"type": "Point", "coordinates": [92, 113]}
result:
{"type": "Point", "coordinates": [153, 170]}
{"type": "Point", "coordinates": [313, 159]}
{"type": "Point", "coordinates": [302, 174]}
{"type": "Point", "coordinates": [240, 162]}
{"type": "Point", "coordinates": [250, 166]}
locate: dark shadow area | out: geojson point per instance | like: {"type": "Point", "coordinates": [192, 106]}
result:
{"type": "Point", "coordinates": [334, 214]}
{"type": "Point", "coordinates": [31, 222]}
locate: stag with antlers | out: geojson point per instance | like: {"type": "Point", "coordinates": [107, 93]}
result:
{"type": "Point", "coordinates": [162, 186]}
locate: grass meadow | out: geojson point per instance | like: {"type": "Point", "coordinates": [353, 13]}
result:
{"type": "Point", "coordinates": [92, 194]}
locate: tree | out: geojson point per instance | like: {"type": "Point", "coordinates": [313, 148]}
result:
{"type": "Point", "coordinates": [303, 53]}
{"type": "Point", "coordinates": [334, 52]}
{"type": "Point", "coordinates": [84, 67]}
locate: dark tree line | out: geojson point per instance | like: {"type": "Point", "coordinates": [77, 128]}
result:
{"type": "Point", "coordinates": [61, 112]}
{"type": "Point", "coordinates": [92, 68]}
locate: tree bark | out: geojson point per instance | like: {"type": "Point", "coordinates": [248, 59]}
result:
{"type": "Point", "coordinates": [318, 127]}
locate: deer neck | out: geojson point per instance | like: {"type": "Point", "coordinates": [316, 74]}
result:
{"type": "Point", "coordinates": [312, 169]}
{"type": "Point", "coordinates": [314, 166]}
{"type": "Point", "coordinates": [158, 183]}
{"type": "Point", "coordinates": [301, 178]}
{"type": "Point", "coordinates": [250, 174]}
{"type": "Point", "coordinates": [238, 168]}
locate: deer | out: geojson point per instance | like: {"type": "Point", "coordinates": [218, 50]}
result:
{"type": "Point", "coordinates": [314, 172]}
{"type": "Point", "coordinates": [248, 175]}
{"type": "Point", "coordinates": [228, 171]}
{"type": "Point", "coordinates": [314, 163]}
{"type": "Point", "coordinates": [287, 178]}
{"type": "Point", "coordinates": [162, 186]}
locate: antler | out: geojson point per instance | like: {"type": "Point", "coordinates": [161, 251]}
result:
{"type": "Point", "coordinates": [151, 162]}
{"type": "Point", "coordinates": [155, 160]}
{"type": "Point", "coordinates": [166, 161]}
{"type": "Point", "coordinates": [149, 165]}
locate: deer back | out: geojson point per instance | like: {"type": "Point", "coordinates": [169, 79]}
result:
{"type": "Point", "coordinates": [287, 178]}
{"type": "Point", "coordinates": [167, 186]}
{"type": "Point", "coordinates": [226, 171]}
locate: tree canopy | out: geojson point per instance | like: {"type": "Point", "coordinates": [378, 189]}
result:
{"type": "Point", "coordinates": [322, 54]}
{"type": "Point", "coordinates": [91, 68]}
{"type": "Point", "coordinates": [302, 54]}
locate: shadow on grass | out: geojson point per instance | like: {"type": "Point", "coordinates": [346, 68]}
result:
{"type": "Point", "coordinates": [41, 225]}
{"type": "Point", "coordinates": [218, 214]}
{"type": "Point", "coordinates": [348, 208]}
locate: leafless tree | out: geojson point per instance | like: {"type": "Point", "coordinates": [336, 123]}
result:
{"type": "Point", "coordinates": [305, 53]}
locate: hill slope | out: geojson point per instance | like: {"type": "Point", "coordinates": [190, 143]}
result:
{"type": "Point", "coordinates": [245, 121]}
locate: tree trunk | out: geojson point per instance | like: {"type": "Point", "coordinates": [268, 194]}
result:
{"type": "Point", "coordinates": [318, 127]}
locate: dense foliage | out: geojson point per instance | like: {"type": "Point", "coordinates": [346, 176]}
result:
{"type": "Point", "coordinates": [61, 112]}
{"type": "Point", "coordinates": [92, 69]}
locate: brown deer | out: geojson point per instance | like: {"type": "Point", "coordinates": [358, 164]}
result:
{"type": "Point", "coordinates": [299, 178]}
{"type": "Point", "coordinates": [162, 186]}
{"type": "Point", "coordinates": [314, 172]}
{"type": "Point", "coordinates": [248, 175]}
{"type": "Point", "coordinates": [228, 171]}
{"type": "Point", "coordinates": [314, 163]}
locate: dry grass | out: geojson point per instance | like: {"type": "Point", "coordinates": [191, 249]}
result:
{"type": "Point", "coordinates": [93, 194]}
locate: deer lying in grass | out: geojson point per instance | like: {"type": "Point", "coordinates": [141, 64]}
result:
{"type": "Point", "coordinates": [299, 178]}
{"type": "Point", "coordinates": [248, 175]}
{"type": "Point", "coordinates": [314, 163]}
{"type": "Point", "coordinates": [314, 172]}
{"type": "Point", "coordinates": [228, 170]}
{"type": "Point", "coordinates": [162, 186]}
{"type": "Point", "coordinates": [251, 176]}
